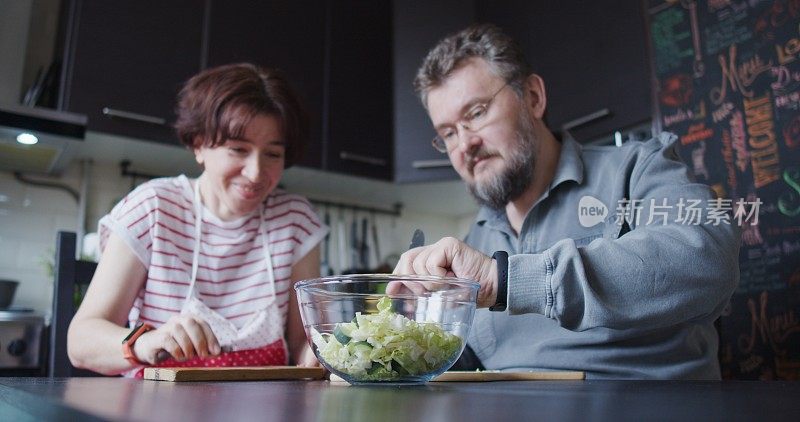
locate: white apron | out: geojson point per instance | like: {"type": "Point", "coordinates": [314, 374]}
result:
{"type": "Point", "coordinates": [264, 328]}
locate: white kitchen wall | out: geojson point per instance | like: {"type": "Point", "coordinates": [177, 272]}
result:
{"type": "Point", "coordinates": [14, 22]}
{"type": "Point", "coordinates": [30, 216]}
{"type": "Point", "coordinates": [29, 219]}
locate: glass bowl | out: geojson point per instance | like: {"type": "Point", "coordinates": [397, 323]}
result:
{"type": "Point", "coordinates": [383, 328]}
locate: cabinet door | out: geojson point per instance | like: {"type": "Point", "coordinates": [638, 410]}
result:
{"type": "Point", "coordinates": [591, 55]}
{"type": "Point", "coordinates": [126, 61]}
{"type": "Point", "coordinates": [284, 34]}
{"type": "Point", "coordinates": [418, 26]}
{"type": "Point", "coordinates": [359, 136]}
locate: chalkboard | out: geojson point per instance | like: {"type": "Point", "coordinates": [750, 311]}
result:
{"type": "Point", "coordinates": [727, 82]}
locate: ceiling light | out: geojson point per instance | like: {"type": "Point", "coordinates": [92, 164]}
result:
{"type": "Point", "coordinates": [27, 138]}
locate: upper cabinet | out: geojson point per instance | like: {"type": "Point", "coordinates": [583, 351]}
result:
{"type": "Point", "coordinates": [359, 80]}
{"type": "Point", "coordinates": [418, 26]}
{"type": "Point", "coordinates": [591, 55]}
{"type": "Point", "coordinates": [353, 63]}
{"type": "Point", "coordinates": [285, 34]}
{"type": "Point", "coordinates": [126, 60]}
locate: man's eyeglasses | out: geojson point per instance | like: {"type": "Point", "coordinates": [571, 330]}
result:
{"type": "Point", "coordinates": [473, 120]}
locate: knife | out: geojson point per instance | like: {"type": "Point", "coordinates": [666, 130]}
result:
{"type": "Point", "coordinates": [325, 265]}
{"type": "Point", "coordinates": [163, 355]}
{"type": "Point", "coordinates": [342, 238]}
{"type": "Point", "coordinates": [354, 246]}
{"type": "Point", "coordinates": [375, 245]}
{"type": "Point", "coordinates": [417, 239]}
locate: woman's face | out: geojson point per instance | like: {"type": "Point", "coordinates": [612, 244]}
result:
{"type": "Point", "coordinates": [239, 174]}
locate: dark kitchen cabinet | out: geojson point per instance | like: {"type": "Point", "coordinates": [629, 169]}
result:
{"type": "Point", "coordinates": [126, 61]}
{"type": "Point", "coordinates": [418, 26]}
{"type": "Point", "coordinates": [591, 55]}
{"type": "Point", "coordinates": [352, 62]}
{"type": "Point", "coordinates": [359, 81]}
{"type": "Point", "coordinates": [285, 34]}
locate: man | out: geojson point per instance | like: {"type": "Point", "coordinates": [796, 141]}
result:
{"type": "Point", "coordinates": [626, 294]}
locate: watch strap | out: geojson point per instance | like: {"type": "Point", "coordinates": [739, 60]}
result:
{"type": "Point", "coordinates": [130, 339]}
{"type": "Point", "coordinates": [502, 281]}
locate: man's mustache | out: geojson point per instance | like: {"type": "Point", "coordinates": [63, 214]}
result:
{"type": "Point", "coordinates": [480, 154]}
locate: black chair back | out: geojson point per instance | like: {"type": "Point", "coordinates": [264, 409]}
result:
{"type": "Point", "coordinates": [70, 275]}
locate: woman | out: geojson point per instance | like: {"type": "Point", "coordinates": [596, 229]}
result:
{"type": "Point", "coordinates": [202, 270]}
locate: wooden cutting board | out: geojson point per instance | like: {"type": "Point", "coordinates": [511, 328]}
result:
{"type": "Point", "coordinates": [482, 376]}
{"type": "Point", "coordinates": [479, 376]}
{"type": "Point", "coordinates": [234, 373]}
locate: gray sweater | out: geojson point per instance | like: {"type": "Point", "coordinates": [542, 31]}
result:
{"type": "Point", "coordinates": [617, 294]}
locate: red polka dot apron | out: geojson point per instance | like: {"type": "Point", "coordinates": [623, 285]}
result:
{"type": "Point", "coordinates": [259, 342]}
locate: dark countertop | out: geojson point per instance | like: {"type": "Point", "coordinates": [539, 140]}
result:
{"type": "Point", "coordinates": [127, 399]}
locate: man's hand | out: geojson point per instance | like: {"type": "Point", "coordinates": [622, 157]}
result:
{"type": "Point", "coordinates": [451, 257]}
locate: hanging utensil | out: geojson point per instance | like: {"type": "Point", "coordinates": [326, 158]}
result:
{"type": "Point", "coordinates": [325, 265]}
{"type": "Point", "coordinates": [354, 255]}
{"type": "Point", "coordinates": [364, 246]}
{"type": "Point", "coordinates": [375, 245]}
{"type": "Point", "coordinates": [342, 238]}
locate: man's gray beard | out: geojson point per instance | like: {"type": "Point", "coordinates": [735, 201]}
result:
{"type": "Point", "coordinates": [502, 188]}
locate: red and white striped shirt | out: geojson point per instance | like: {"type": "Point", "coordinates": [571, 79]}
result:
{"type": "Point", "coordinates": [156, 221]}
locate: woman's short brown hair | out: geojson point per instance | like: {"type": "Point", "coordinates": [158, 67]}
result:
{"type": "Point", "coordinates": [218, 103]}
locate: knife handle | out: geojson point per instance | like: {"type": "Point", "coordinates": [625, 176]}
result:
{"type": "Point", "coordinates": [162, 355]}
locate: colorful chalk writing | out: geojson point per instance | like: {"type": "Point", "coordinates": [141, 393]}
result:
{"type": "Point", "coordinates": [789, 201]}
{"type": "Point", "coordinates": [764, 149]}
{"type": "Point", "coordinates": [727, 80]}
{"type": "Point", "coordinates": [737, 77]}
{"type": "Point", "coordinates": [773, 330]}
{"type": "Point", "coordinates": [727, 156]}
{"type": "Point", "coordinates": [671, 38]}
{"type": "Point", "coordinates": [730, 30]}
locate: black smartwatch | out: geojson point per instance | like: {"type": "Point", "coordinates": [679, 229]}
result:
{"type": "Point", "coordinates": [502, 281]}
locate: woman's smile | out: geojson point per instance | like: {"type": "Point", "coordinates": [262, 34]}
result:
{"type": "Point", "coordinates": [241, 173]}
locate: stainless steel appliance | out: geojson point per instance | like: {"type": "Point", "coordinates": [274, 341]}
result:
{"type": "Point", "coordinates": [20, 340]}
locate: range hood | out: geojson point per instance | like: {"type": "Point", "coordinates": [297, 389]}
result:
{"type": "Point", "coordinates": [60, 135]}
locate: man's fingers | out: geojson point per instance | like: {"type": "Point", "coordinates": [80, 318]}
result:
{"type": "Point", "coordinates": [404, 264]}
{"type": "Point", "coordinates": [418, 266]}
{"type": "Point", "coordinates": [436, 263]}
{"type": "Point", "coordinates": [426, 260]}
{"type": "Point", "coordinates": [398, 287]}
{"type": "Point", "coordinates": [394, 287]}
{"type": "Point", "coordinates": [416, 287]}
{"type": "Point", "coordinates": [401, 287]}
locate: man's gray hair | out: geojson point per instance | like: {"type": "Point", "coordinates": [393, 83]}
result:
{"type": "Point", "coordinates": [485, 41]}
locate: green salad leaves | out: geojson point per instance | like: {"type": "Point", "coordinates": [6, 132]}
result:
{"type": "Point", "coordinates": [386, 346]}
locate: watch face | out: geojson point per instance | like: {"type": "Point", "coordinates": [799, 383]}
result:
{"type": "Point", "coordinates": [133, 331]}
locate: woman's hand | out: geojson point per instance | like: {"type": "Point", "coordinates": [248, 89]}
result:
{"type": "Point", "coordinates": [301, 353]}
{"type": "Point", "coordinates": [183, 337]}
{"type": "Point", "coordinates": [307, 358]}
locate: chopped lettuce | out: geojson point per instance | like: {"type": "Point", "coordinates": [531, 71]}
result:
{"type": "Point", "coordinates": [386, 346]}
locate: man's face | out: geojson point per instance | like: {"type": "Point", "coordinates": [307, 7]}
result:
{"type": "Point", "coordinates": [496, 160]}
